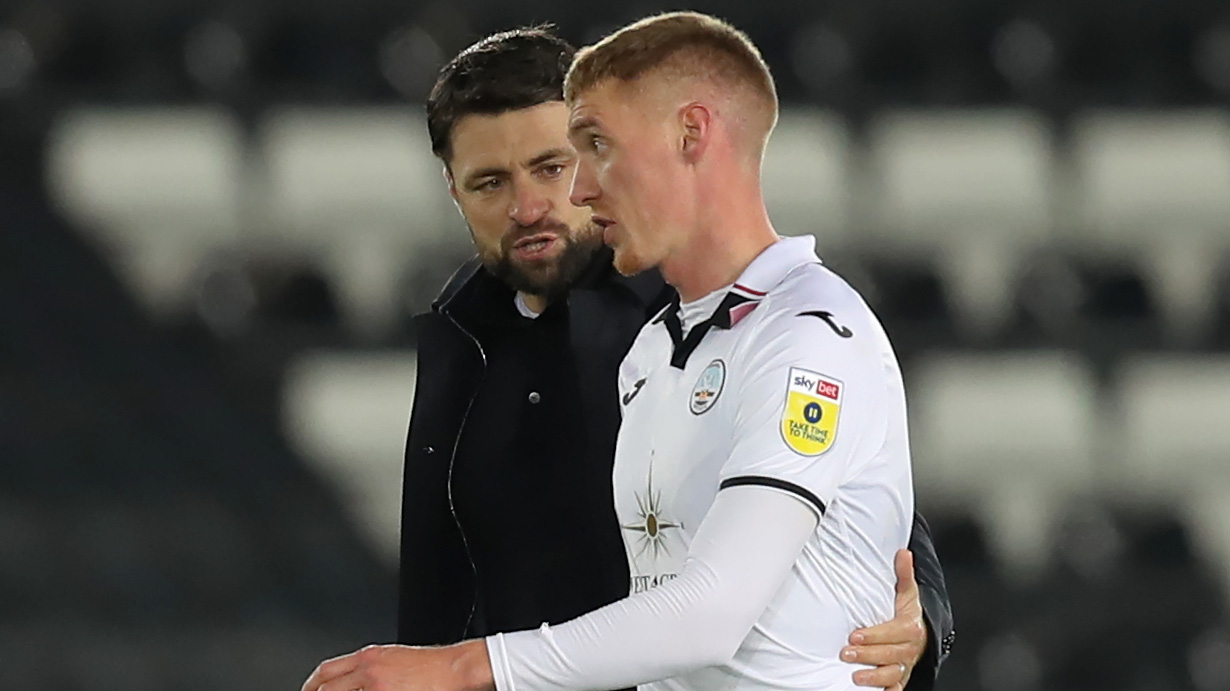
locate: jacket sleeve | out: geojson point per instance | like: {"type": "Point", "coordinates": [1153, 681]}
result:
{"type": "Point", "coordinates": [937, 609]}
{"type": "Point", "coordinates": [436, 581]}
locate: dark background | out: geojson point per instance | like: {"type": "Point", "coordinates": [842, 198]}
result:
{"type": "Point", "coordinates": [216, 219]}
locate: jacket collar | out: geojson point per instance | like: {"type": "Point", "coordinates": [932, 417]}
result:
{"type": "Point", "coordinates": [462, 280]}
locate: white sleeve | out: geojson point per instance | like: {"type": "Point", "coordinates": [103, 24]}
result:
{"type": "Point", "coordinates": [742, 553]}
{"type": "Point", "coordinates": [805, 403]}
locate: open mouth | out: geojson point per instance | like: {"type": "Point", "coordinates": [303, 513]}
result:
{"type": "Point", "coordinates": [535, 246]}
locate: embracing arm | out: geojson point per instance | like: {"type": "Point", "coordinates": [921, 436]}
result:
{"type": "Point", "coordinates": [906, 651]}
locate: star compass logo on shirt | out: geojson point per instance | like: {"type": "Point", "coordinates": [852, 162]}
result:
{"type": "Point", "coordinates": [651, 524]}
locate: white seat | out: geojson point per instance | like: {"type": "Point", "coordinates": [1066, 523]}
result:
{"type": "Point", "coordinates": [806, 178]}
{"type": "Point", "coordinates": [974, 188]}
{"type": "Point", "coordinates": [158, 189]}
{"type": "Point", "coordinates": [1207, 514]}
{"type": "Point", "coordinates": [359, 188]}
{"type": "Point", "coordinates": [1156, 186]}
{"type": "Point", "coordinates": [1136, 171]}
{"type": "Point", "coordinates": [1009, 436]}
{"type": "Point", "coordinates": [347, 413]}
{"type": "Point", "coordinates": [1169, 428]}
{"type": "Point", "coordinates": [1168, 444]}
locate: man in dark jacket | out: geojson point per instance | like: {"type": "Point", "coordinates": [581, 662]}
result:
{"type": "Point", "coordinates": [507, 518]}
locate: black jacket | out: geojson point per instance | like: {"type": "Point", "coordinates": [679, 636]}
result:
{"type": "Point", "coordinates": [439, 602]}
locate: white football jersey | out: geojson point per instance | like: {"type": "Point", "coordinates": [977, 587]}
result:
{"type": "Point", "coordinates": [790, 384]}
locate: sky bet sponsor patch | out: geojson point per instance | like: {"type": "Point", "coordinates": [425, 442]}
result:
{"type": "Point", "coordinates": [809, 420]}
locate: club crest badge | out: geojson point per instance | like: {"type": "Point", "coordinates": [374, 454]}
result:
{"type": "Point", "coordinates": [809, 419]}
{"type": "Point", "coordinates": [708, 387]}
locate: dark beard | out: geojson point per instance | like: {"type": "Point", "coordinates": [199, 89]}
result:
{"type": "Point", "coordinates": [550, 280]}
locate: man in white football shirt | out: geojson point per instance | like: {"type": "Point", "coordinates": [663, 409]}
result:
{"type": "Point", "coordinates": [762, 475]}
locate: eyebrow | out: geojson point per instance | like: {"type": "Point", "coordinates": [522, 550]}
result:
{"type": "Point", "coordinates": [547, 155]}
{"type": "Point", "coordinates": [481, 173]}
{"type": "Point", "coordinates": [585, 122]}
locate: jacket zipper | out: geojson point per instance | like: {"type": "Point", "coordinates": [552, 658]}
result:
{"type": "Point", "coordinates": [453, 459]}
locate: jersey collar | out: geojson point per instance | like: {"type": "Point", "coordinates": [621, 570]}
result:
{"type": "Point", "coordinates": [771, 266]}
{"type": "Point", "coordinates": [765, 272]}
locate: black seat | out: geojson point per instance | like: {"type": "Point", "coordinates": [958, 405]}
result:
{"type": "Point", "coordinates": [1103, 308]}
{"type": "Point", "coordinates": [910, 299]}
{"type": "Point", "coordinates": [1113, 570]}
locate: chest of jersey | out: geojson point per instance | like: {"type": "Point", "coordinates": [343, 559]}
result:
{"type": "Point", "coordinates": [666, 473]}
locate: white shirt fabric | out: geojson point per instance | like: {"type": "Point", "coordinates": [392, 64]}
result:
{"type": "Point", "coordinates": [691, 313]}
{"type": "Point", "coordinates": [788, 397]}
{"type": "Point", "coordinates": [523, 308]}
{"type": "Point", "coordinates": [745, 548]}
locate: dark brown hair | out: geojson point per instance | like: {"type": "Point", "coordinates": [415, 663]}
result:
{"type": "Point", "coordinates": [505, 71]}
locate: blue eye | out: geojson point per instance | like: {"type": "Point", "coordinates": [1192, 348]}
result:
{"type": "Point", "coordinates": [597, 144]}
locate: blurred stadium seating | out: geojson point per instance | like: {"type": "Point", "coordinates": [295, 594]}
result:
{"type": "Point", "coordinates": [217, 220]}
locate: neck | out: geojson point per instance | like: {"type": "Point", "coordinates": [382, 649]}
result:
{"type": "Point", "coordinates": [536, 303]}
{"type": "Point", "coordinates": [732, 229]}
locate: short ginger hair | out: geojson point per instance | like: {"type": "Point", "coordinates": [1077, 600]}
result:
{"type": "Point", "coordinates": [690, 45]}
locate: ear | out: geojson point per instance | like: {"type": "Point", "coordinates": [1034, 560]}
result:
{"type": "Point", "coordinates": [696, 120]}
{"type": "Point", "coordinates": [452, 184]}
{"type": "Point", "coordinates": [452, 189]}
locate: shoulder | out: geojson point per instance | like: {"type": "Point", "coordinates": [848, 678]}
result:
{"type": "Point", "coordinates": [814, 305]}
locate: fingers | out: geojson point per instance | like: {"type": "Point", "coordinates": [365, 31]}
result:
{"type": "Point", "coordinates": [346, 682]}
{"type": "Point", "coordinates": [880, 655]}
{"type": "Point", "coordinates": [903, 629]}
{"type": "Point", "coordinates": [886, 677]}
{"type": "Point", "coordinates": [905, 571]}
{"type": "Point", "coordinates": [332, 668]}
{"type": "Point", "coordinates": [907, 624]}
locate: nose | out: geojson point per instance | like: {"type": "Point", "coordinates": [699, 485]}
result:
{"type": "Point", "coordinates": [529, 206]}
{"type": "Point", "coordinates": [585, 187]}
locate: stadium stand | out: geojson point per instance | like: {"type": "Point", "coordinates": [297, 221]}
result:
{"type": "Point", "coordinates": [159, 189]}
{"type": "Point", "coordinates": [1153, 190]}
{"type": "Point", "coordinates": [156, 535]}
{"type": "Point", "coordinates": [354, 189]}
{"type": "Point", "coordinates": [217, 222]}
{"type": "Point", "coordinates": [1008, 436]}
{"type": "Point", "coordinates": [972, 189]}
{"type": "Point", "coordinates": [347, 414]}
{"type": "Point", "coordinates": [807, 176]}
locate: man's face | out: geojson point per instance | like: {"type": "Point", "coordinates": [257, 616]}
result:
{"type": "Point", "coordinates": [627, 173]}
{"type": "Point", "coordinates": [510, 175]}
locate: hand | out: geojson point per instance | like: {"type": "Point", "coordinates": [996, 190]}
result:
{"type": "Point", "coordinates": [461, 667]}
{"type": "Point", "coordinates": [896, 646]}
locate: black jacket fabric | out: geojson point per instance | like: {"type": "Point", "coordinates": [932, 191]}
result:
{"type": "Point", "coordinates": [456, 566]}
